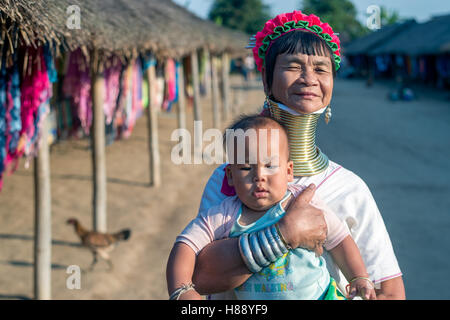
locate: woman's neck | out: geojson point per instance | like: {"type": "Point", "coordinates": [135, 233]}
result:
{"type": "Point", "coordinates": [307, 157]}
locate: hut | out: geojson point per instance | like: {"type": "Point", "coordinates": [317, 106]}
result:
{"type": "Point", "coordinates": [405, 51]}
{"type": "Point", "coordinates": [422, 52]}
{"type": "Point", "coordinates": [40, 37]}
{"type": "Point", "coordinates": [359, 51]}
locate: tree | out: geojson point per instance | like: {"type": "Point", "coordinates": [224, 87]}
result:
{"type": "Point", "coordinates": [245, 15]}
{"type": "Point", "coordinates": [340, 14]}
{"type": "Point", "coordinates": [388, 16]}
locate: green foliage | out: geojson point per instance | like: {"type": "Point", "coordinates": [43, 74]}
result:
{"type": "Point", "coordinates": [245, 15]}
{"type": "Point", "coordinates": [339, 14]}
{"type": "Point", "coordinates": [388, 16]}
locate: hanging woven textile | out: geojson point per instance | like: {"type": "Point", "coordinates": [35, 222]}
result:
{"type": "Point", "coordinates": [77, 86]}
{"type": "Point", "coordinates": [36, 91]}
{"type": "Point", "coordinates": [12, 116]}
{"type": "Point", "coordinates": [113, 70]}
{"type": "Point", "coordinates": [170, 84]}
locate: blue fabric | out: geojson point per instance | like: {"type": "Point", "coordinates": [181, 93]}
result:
{"type": "Point", "coordinates": [3, 80]}
{"type": "Point", "coordinates": [148, 60]}
{"type": "Point", "coordinates": [15, 124]}
{"type": "Point", "coordinates": [50, 64]}
{"type": "Point", "coordinates": [298, 274]}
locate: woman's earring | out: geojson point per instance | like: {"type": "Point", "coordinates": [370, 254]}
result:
{"type": "Point", "coordinates": [328, 114]}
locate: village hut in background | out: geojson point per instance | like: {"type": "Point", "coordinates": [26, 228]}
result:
{"type": "Point", "coordinates": [151, 30]}
{"type": "Point", "coordinates": [407, 51]}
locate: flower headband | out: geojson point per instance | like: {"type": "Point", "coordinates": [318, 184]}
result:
{"type": "Point", "coordinates": [287, 22]}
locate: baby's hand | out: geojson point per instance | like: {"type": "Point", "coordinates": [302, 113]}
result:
{"type": "Point", "coordinates": [190, 295]}
{"type": "Point", "coordinates": [362, 287]}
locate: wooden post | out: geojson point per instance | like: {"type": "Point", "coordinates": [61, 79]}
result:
{"type": "Point", "coordinates": [215, 93]}
{"type": "Point", "coordinates": [206, 56]}
{"type": "Point", "coordinates": [195, 85]}
{"type": "Point", "coordinates": [42, 220]}
{"type": "Point", "coordinates": [225, 86]}
{"type": "Point", "coordinates": [98, 145]}
{"type": "Point", "coordinates": [181, 110]}
{"type": "Point", "coordinates": [197, 110]}
{"type": "Point", "coordinates": [152, 130]}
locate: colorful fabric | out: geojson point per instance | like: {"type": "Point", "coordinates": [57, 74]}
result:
{"type": "Point", "coordinates": [333, 292]}
{"type": "Point", "coordinates": [77, 86]}
{"type": "Point", "coordinates": [170, 84]}
{"type": "Point", "coordinates": [287, 22]}
{"type": "Point", "coordinates": [112, 86]}
{"type": "Point", "coordinates": [36, 92]}
{"type": "Point", "coordinates": [130, 100]}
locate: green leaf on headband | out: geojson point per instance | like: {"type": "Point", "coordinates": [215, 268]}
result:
{"type": "Point", "coordinates": [337, 59]}
{"type": "Point", "coordinates": [278, 29]}
{"type": "Point", "coordinates": [301, 24]}
{"type": "Point", "coordinates": [333, 46]}
{"type": "Point", "coordinates": [289, 25]}
{"type": "Point", "coordinates": [262, 51]}
{"type": "Point", "coordinates": [326, 37]}
{"type": "Point", "coordinates": [317, 29]}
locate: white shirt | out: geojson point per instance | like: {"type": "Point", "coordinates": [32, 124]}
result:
{"type": "Point", "coordinates": [351, 200]}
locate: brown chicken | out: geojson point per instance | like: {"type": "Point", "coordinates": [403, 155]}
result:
{"type": "Point", "coordinates": [99, 243]}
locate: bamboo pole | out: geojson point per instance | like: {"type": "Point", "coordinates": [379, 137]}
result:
{"type": "Point", "coordinates": [195, 85]}
{"type": "Point", "coordinates": [225, 87]}
{"type": "Point", "coordinates": [42, 220]}
{"type": "Point", "coordinates": [98, 146]}
{"type": "Point", "coordinates": [152, 130]}
{"type": "Point", "coordinates": [181, 110]}
{"type": "Point", "coordinates": [215, 93]}
{"type": "Point", "coordinates": [207, 74]}
{"type": "Point", "coordinates": [198, 152]}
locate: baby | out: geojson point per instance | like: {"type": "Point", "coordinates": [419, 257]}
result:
{"type": "Point", "coordinates": [261, 181]}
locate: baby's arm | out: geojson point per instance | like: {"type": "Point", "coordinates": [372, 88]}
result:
{"type": "Point", "coordinates": [208, 226]}
{"type": "Point", "coordinates": [180, 268]}
{"type": "Point", "coordinates": [348, 258]}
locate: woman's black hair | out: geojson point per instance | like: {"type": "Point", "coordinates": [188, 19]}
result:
{"type": "Point", "coordinates": [296, 41]}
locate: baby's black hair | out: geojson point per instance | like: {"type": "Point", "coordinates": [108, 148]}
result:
{"type": "Point", "coordinates": [254, 121]}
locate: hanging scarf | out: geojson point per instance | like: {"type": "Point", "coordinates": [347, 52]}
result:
{"type": "Point", "coordinates": [36, 92]}
{"type": "Point", "coordinates": [170, 84]}
{"type": "Point", "coordinates": [77, 86]}
{"type": "Point", "coordinates": [112, 87]}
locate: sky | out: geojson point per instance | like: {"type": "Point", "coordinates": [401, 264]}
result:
{"type": "Point", "coordinates": [421, 10]}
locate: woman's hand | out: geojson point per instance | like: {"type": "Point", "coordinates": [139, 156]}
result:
{"type": "Point", "coordinates": [304, 225]}
{"type": "Point", "coordinates": [362, 287]}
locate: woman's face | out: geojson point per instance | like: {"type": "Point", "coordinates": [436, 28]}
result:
{"type": "Point", "coordinates": [302, 82]}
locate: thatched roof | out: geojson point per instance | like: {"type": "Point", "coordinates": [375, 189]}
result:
{"type": "Point", "coordinates": [432, 37]}
{"type": "Point", "coordinates": [122, 27]}
{"type": "Point", "coordinates": [368, 43]}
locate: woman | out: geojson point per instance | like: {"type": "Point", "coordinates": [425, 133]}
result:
{"type": "Point", "coordinates": [298, 56]}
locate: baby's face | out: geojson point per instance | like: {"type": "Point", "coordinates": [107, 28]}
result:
{"type": "Point", "coordinates": [261, 184]}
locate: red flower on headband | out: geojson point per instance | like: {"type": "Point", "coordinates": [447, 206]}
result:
{"type": "Point", "coordinates": [299, 16]}
{"type": "Point", "coordinates": [268, 28]}
{"type": "Point", "coordinates": [327, 29]}
{"type": "Point", "coordinates": [282, 20]}
{"type": "Point", "coordinates": [314, 20]}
